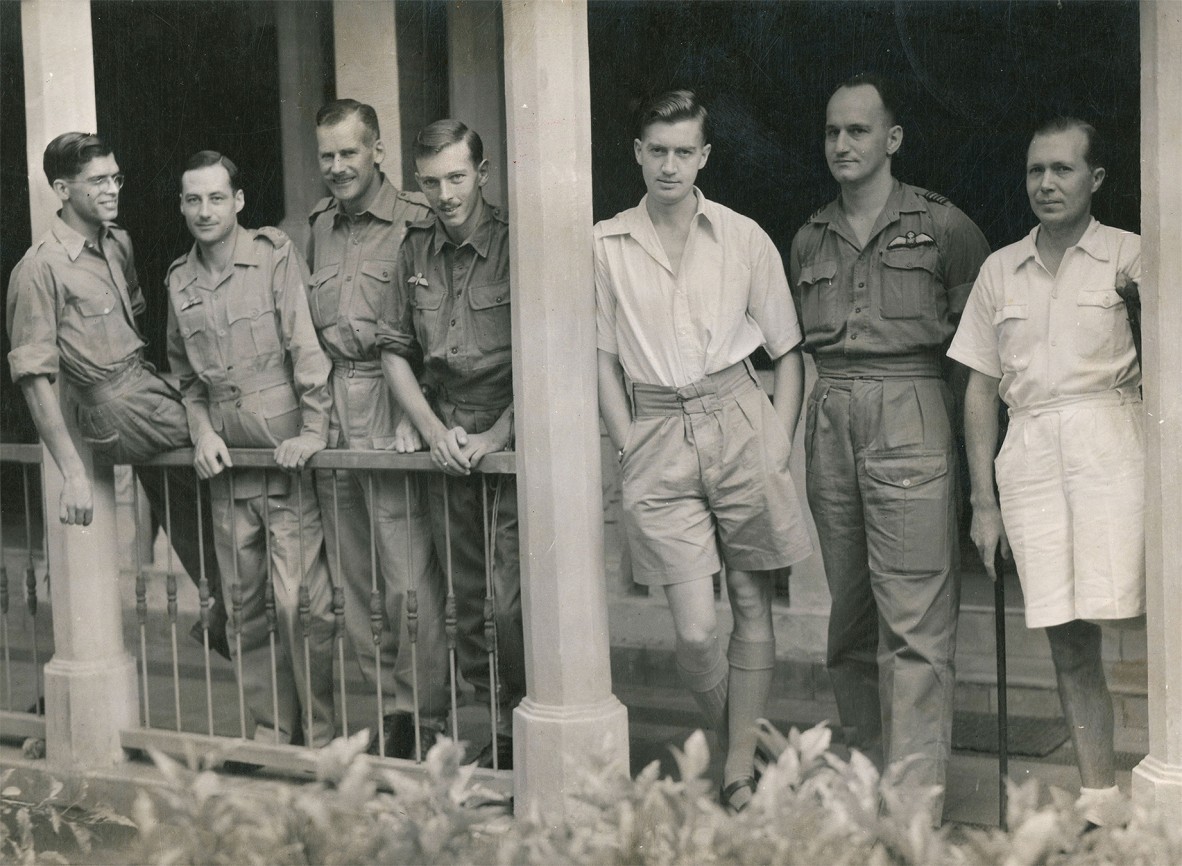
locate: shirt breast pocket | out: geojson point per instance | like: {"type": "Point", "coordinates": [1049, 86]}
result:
{"type": "Point", "coordinates": [1100, 317]}
{"type": "Point", "coordinates": [491, 324]}
{"type": "Point", "coordinates": [819, 297]}
{"type": "Point", "coordinates": [1014, 340]}
{"type": "Point", "coordinates": [377, 281]}
{"type": "Point", "coordinates": [326, 296]}
{"type": "Point", "coordinates": [909, 283]}
{"type": "Point", "coordinates": [253, 327]}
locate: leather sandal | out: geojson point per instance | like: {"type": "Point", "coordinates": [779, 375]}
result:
{"type": "Point", "coordinates": [726, 793]}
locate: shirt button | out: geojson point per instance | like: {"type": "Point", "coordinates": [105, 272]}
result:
{"type": "Point", "coordinates": [454, 349]}
{"type": "Point", "coordinates": [453, 323]}
{"type": "Point", "coordinates": [857, 309]}
{"type": "Point", "coordinates": [107, 310]}
{"type": "Point", "coordinates": [349, 278]}
{"type": "Point", "coordinates": [861, 285]}
{"type": "Point", "coordinates": [853, 336]}
{"type": "Point", "coordinates": [1054, 342]}
{"type": "Point", "coordinates": [906, 482]}
{"type": "Point", "coordinates": [459, 292]}
{"type": "Point", "coordinates": [238, 403]}
{"type": "Point", "coordinates": [499, 298]}
{"type": "Point", "coordinates": [221, 333]}
{"type": "Point", "coordinates": [356, 241]}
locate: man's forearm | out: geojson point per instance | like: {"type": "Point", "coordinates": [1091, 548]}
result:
{"type": "Point", "coordinates": [400, 378]}
{"type": "Point", "coordinates": [789, 389]}
{"type": "Point", "coordinates": [980, 435]}
{"type": "Point", "coordinates": [51, 425]}
{"type": "Point", "coordinates": [613, 398]}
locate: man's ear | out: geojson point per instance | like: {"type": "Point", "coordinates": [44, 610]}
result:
{"type": "Point", "coordinates": [239, 201]}
{"type": "Point", "coordinates": [482, 172]}
{"type": "Point", "coordinates": [61, 189]}
{"type": "Point", "coordinates": [1098, 175]}
{"type": "Point", "coordinates": [379, 152]}
{"type": "Point", "coordinates": [705, 156]}
{"type": "Point", "coordinates": [894, 139]}
{"type": "Point", "coordinates": [637, 146]}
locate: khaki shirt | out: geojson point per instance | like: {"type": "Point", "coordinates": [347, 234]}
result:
{"type": "Point", "coordinates": [451, 308]}
{"type": "Point", "coordinates": [353, 260]}
{"type": "Point", "coordinates": [72, 306]}
{"type": "Point", "coordinates": [243, 344]}
{"type": "Point", "coordinates": [900, 294]}
{"type": "Point", "coordinates": [728, 297]}
{"type": "Point", "coordinates": [1053, 337]}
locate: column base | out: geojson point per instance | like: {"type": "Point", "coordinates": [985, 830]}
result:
{"type": "Point", "coordinates": [1156, 783]}
{"type": "Point", "coordinates": [87, 705]}
{"type": "Point", "coordinates": [551, 747]}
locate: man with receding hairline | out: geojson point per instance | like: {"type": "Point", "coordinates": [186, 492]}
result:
{"type": "Point", "coordinates": [1045, 331]}
{"type": "Point", "coordinates": [253, 376]}
{"type": "Point", "coordinates": [353, 255]}
{"type": "Point", "coordinates": [880, 275]}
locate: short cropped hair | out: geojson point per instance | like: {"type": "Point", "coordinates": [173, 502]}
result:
{"type": "Point", "coordinates": [207, 158]}
{"type": "Point", "coordinates": [673, 107]}
{"type": "Point", "coordinates": [69, 153]}
{"type": "Point", "coordinates": [884, 89]}
{"type": "Point", "coordinates": [1094, 154]}
{"type": "Point", "coordinates": [332, 113]}
{"type": "Point", "coordinates": [434, 137]}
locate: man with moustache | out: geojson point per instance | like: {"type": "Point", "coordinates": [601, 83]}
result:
{"type": "Point", "coordinates": [352, 253]}
{"type": "Point", "coordinates": [72, 303]}
{"type": "Point", "coordinates": [253, 376]}
{"type": "Point", "coordinates": [686, 289]}
{"type": "Point", "coordinates": [449, 308]}
{"type": "Point", "coordinates": [1044, 330]}
{"type": "Point", "coordinates": [879, 276]}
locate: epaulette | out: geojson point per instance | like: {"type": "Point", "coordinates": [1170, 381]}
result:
{"type": "Point", "coordinates": [426, 222]}
{"type": "Point", "coordinates": [180, 260]}
{"type": "Point", "coordinates": [277, 237]}
{"type": "Point", "coordinates": [501, 214]}
{"type": "Point", "coordinates": [321, 206]}
{"type": "Point", "coordinates": [414, 198]}
{"type": "Point", "coordinates": [936, 197]}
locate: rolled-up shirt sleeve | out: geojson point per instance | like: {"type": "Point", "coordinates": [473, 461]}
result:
{"type": "Point", "coordinates": [605, 303]}
{"type": "Point", "coordinates": [770, 303]}
{"type": "Point", "coordinates": [32, 321]}
{"type": "Point", "coordinates": [310, 366]}
{"type": "Point", "coordinates": [395, 330]}
{"type": "Point", "coordinates": [193, 392]}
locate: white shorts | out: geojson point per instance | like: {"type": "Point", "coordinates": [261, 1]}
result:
{"type": "Point", "coordinates": [1072, 485]}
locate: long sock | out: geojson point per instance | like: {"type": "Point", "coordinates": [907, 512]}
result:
{"type": "Point", "coordinates": [751, 668]}
{"type": "Point", "coordinates": [707, 684]}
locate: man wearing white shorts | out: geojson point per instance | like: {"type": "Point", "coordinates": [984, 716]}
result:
{"type": "Point", "coordinates": [1046, 331]}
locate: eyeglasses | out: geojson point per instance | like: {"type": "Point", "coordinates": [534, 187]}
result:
{"type": "Point", "coordinates": [99, 183]}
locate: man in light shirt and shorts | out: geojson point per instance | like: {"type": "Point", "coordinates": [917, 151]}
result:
{"type": "Point", "coordinates": [686, 290]}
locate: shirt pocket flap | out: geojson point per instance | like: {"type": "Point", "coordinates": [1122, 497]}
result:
{"type": "Point", "coordinates": [243, 306]}
{"type": "Point", "coordinates": [95, 306]}
{"type": "Point", "coordinates": [277, 401]}
{"type": "Point", "coordinates": [1100, 298]}
{"type": "Point", "coordinates": [378, 270]}
{"type": "Point", "coordinates": [911, 258]}
{"type": "Point", "coordinates": [492, 295]}
{"type": "Point", "coordinates": [1011, 311]}
{"type": "Point", "coordinates": [816, 272]}
{"type": "Point", "coordinates": [907, 471]}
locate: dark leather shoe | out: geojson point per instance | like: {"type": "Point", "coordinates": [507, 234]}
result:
{"type": "Point", "coordinates": [504, 754]}
{"type": "Point", "coordinates": [217, 632]}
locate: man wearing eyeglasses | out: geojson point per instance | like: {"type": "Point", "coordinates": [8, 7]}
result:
{"type": "Point", "coordinates": [72, 303]}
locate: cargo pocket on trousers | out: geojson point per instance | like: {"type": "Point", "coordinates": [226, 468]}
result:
{"type": "Point", "coordinates": [907, 506]}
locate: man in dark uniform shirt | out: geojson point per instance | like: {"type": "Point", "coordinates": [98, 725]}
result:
{"type": "Point", "coordinates": [879, 276]}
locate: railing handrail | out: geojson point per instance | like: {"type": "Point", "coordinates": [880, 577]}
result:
{"type": "Point", "coordinates": [499, 463]}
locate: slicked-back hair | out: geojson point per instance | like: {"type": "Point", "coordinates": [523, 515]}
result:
{"type": "Point", "coordinates": [881, 86]}
{"type": "Point", "coordinates": [207, 158]}
{"type": "Point", "coordinates": [69, 153]}
{"type": "Point", "coordinates": [332, 113]}
{"type": "Point", "coordinates": [434, 137]}
{"type": "Point", "coordinates": [1094, 154]}
{"type": "Point", "coordinates": [673, 107]}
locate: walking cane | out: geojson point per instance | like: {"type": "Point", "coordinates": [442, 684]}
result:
{"type": "Point", "coordinates": [1003, 747]}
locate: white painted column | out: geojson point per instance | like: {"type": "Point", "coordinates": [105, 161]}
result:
{"type": "Point", "coordinates": [90, 683]}
{"type": "Point", "coordinates": [1158, 778]}
{"type": "Point", "coordinates": [301, 93]}
{"type": "Point", "coordinates": [476, 82]}
{"type": "Point", "coordinates": [365, 46]}
{"type": "Point", "coordinates": [570, 710]}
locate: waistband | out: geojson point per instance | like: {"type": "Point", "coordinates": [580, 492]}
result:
{"type": "Point", "coordinates": [249, 384]}
{"type": "Point", "coordinates": [126, 378]}
{"type": "Point", "coordinates": [1115, 397]}
{"type": "Point", "coordinates": [697, 398]}
{"type": "Point", "coordinates": [361, 369]}
{"type": "Point", "coordinates": [919, 365]}
{"type": "Point", "coordinates": [475, 398]}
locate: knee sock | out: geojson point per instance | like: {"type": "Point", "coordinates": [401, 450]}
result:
{"type": "Point", "coordinates": [751, 668]}
{"type": "Point", "coordinates": [708, 685]}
